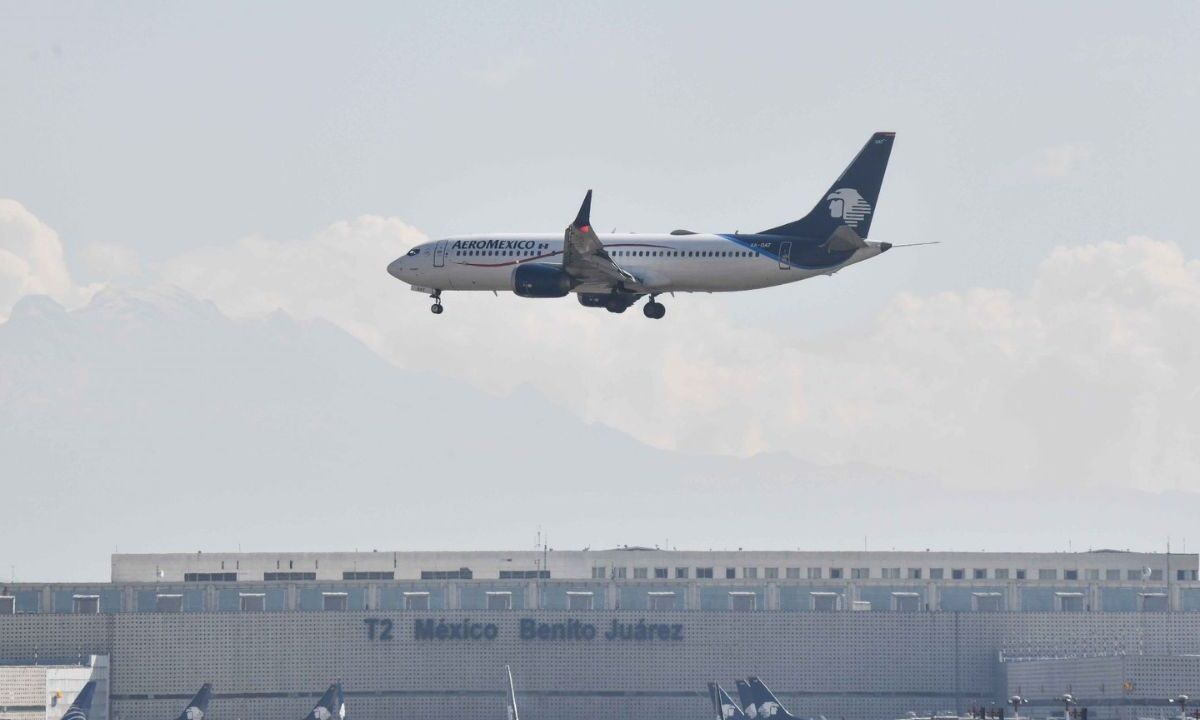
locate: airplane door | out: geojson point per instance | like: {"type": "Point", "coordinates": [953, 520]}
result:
{"type": "Point", "coordinates": [785, 256]}
{"type": "Point", "coordinates": [439, 254]}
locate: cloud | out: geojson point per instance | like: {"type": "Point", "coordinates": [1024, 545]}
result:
{"type": "Point", "coordinates": [1084, 380]}
{"type": "Point", "coordinates": [31, 261]}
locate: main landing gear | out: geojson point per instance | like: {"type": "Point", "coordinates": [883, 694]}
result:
{"type": "Point", "coordinates": [654, 309]}
{"type": "Point", "coordinates": [437, 303]}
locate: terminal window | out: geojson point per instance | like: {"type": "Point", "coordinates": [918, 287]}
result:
{"type": "Point", "coordinates": [416, 601]}
{"type": "Point", "coordinates": [459, 574]}
{"type": "Point", "coordinates": [253, 602]}
{"type": "Point", "coordinates": [1069, 602]}
{"type": "Point", "coordinates": [771, 573]}
{"type": "Point", "coordinates": [85, 604]}
{"type": "Point", "coordinates": [1179, 575]}
{"type": "Point", "coordinates": [824, 601]}
{"type": "Point", "coordinates": [980, 574]}
{"type": "Point", "coordinates": [1092, 574]}
{"type": "Point", "coordinates": [524, 574]}
{"type": "Point", "coordinates": [1022, 574]}
{"type": "Point", "coordinates": [640, 573]}
{"type": "Point", "coordinates": [599, 572]}
{"type": "Point", "coordinates": [8, 605]}
{"type": "Point", "coordinates": [168, 603]}
{"type": "Point", "coordinates": [860, 573]}
{"type": "Point", "coordinates": [579, 600]}
{"type": "Point", "coordinates": [660, 573]}
{"type": "Point", "coordinates": [1152, 602]}
{"type": "Point", "coordinates": [1070, 574]}
{"type": "Point", "coordinates": [333, 601]}
{"type": "Point", "coordinates": [891, 573]}
{"type": "Point", "coordinates": [1112, 574]}
{"type": "Point", "coordinates": [499, 601]}
{"type": "Point", "coordinates": [743, 601]}
{"type": "Point", "coordinates": [1001, 573]}
{"type": "Point", "coordinates": [793, 573]}
{"type": "Point", "coordinates": [360, 575]}
{"type": "Point", "coordinates": [681, 573]}
{"type": "Point", "coordinates": [704, 573]}
{"type": "Point", "coordinates": [937, 573]}
{"type": "Point", "coordinates": [210, 577]}
{"type": "Point", "coordinates": [835, 573]}
{"type": "Point", "coordinates": [814, 573]}
{"type": "Point", "coordinates": [1047, 574]}
{"type": "Point", "coordinates": [751, 573]}
{"type": "Point", "coordinates": [987, 602]}
{"type": "Point", "coordinates": [662, 600]}
{"type": "Point", "coordinates": [289, 576]}
{"type": "Point", "coordinates": [618, 573]}
{"type": "Point", "coordinates": [914, 573]}
{"type": "Point", "coordinates": [730, 573]}
{"type": "Point", "coordinates": [957, 573]}
{"type": "Point", "coordinates": [1133, 574]}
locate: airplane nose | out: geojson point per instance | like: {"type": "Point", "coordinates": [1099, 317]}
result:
{"type": "Point", "coordinates": [395, 267]}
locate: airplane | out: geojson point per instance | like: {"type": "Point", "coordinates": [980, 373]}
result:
{"type": "Point", "coordinates": [723, 705]}
{"type": "Point", "coordinates": [83, 703]}
{"type": "Point", "coordinates": [199, 705]}
{"type": "Point", "coordinates": [614, 271]}
{"type": "Point", "coordinates": [760, 702]}
{"type": "Point", "coordinates": [332, 703]}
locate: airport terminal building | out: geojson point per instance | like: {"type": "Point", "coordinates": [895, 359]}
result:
{"type": "Point", "coordinates": [629, 632]}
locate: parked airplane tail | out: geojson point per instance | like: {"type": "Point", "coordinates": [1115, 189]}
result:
{"type": "Point", "coordinates": [332, 704]}
{"type": "Point", "coordinates": [199, 705]}
{"type": "Point", "coordinates": [746, 695]}
{"type": "Point", "coordinates": [852, 199]}
{"type": "Point", "coordinates": [723, 705]}
{"type": "Point", "coordinates": [765, 702]}
{"type": "Point", "coordinates": [512, 696]}
{"type": "Point", "coordinates": [83, 703]}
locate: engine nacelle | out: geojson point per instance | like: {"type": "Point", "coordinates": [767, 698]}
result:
{"type": "Point", "coordinates": [594, 299]}
{"type": "Point", "coordinates": [540, 280]}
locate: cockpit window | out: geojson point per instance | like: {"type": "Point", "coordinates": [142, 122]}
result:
{"type": "Point", "coordinates": [414, 251]}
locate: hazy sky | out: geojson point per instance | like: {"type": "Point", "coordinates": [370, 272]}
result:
{"type": "Point", "coordinates": [279, 155]}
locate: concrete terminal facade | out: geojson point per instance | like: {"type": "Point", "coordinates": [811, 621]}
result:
{"type": "Point", "coordinates": [629, 631]}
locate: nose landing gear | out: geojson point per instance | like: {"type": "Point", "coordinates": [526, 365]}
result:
{"type": "Point", "coordinates": [437, 303]}
{"type": "Point", "coordinates": [654, 309]}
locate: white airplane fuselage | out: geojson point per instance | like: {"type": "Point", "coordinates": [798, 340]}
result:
{"type": "Point", "coordinates": [661, 262]}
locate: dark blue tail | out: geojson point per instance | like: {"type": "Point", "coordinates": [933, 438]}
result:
{"type": "Point", "coordinates": [852, 199]}
{"type": "Point", "coordinates": [332, 705]}
{"type": "Point", "coordinates": [723, 705]}
{"type": "Point", "coordinates": [198, 706]}
{"type": "Point", "coordinates": [765, 702]}
{"type": "Point", "coordinates": [746, 695]}
{"type": "Point", "coordinates": [83, 703]}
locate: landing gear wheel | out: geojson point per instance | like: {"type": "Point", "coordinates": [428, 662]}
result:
{"type": "Point", "coordinates": [654, 310]}
{"type": "Point", "coordinates": [616, 306]}
{"type": "Point", "coordinates": [437, 303]}
{"type": "Point", "coordinates": [437, 309]}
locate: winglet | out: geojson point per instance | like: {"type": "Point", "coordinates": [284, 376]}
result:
{"type": "Point", "coordinates": [583, 219]}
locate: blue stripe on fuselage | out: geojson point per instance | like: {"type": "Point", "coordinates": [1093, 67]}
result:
{"type": "Point", "coordinates": [806, 253]}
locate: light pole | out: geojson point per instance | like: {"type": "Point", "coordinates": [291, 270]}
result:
{"type": "Point", "coordinates": [1017, 701]}
{"type": "Point", "coordinates": [1181, 700]}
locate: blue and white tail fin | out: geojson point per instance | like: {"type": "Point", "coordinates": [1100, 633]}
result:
{"type": "Point", "coordinates": [746, 695]}
{"type": "Point", "coordinates": [331, 705]}
{"type": "Point", "coordinates": [765, 702]}
{"type": "Point", "coordinates": [83, 703]}
{"type": "Point", "coordinates": [851, 200]}
{"type": "Point", "coordinates": [723, 705]}
{"type": "Point", "coordinates": [198, 706]}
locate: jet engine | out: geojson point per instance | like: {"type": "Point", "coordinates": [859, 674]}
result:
{"type": "Point", "coordinates": [540, 280]}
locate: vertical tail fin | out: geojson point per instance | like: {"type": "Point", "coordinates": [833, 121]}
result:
{"type": "Point", "coordinates": [512, 696]}
{"type": "Point", "coordinates": [852, 199]}
{"type": "Point", "coordinates": [746, 695]}
{"type": "Point", "coordinates": [83, 703]}
{"type": "Point", "coordinates": [332, 704]}
{"type": "Point", "coordinates": [199, 705]}
{"type": "Point", "coordinates": [766, 703]}
{"type": "Point", "coordinates": [725, 707]}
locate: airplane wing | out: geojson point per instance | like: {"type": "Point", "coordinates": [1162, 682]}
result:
{"type": "Point", "coordinates": [586, 260]}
